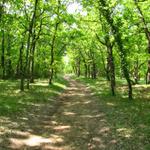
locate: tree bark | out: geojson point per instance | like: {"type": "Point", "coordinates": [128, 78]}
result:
{"type": "Point", "coordinates": [3, 39]}
{"type": "Point", "coordinates": [28, 51]}
{"type": "Point", "coordinates": [34, 41]}
{"type": "Point", "coordinates": [3, 54]}
{"type": "Point", "coordinates": [148, 74]}
{"type": "Point", "coordinates": [94, 71]}
{"type": "Point", "coordinates": [53, 45]}
{"type": "Point", "coordinates": [52, 54]}
{"type": "Point", "coordinates": [111, 69]}
{"type": "Point", "coordinates": [21, 72]}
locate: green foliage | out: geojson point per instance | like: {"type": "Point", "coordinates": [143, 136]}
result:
{"type": "Point", "coordinates": [83, 35]}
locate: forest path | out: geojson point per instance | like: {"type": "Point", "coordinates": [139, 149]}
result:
{"type": "Point", "coordinates": [77, 124]}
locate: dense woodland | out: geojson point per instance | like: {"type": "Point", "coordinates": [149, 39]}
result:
{"type": "Point", "coordinates": [75, 74]}
{"type": "Point", "coordinates": [109, 39]}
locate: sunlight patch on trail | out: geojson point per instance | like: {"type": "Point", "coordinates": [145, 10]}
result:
{"type": "Point", "coordinates": [33, 140]}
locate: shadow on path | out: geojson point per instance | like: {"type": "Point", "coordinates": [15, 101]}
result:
{"type": "Point", "coordinates": [74, 122]}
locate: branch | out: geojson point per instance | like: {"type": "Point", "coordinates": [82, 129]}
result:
{"type": "Point", "coordinates": [61, 50]}
{"type": "Point", "coordinates": [142, 64]}
{"type": "Point", "coordinates": [104, 43]}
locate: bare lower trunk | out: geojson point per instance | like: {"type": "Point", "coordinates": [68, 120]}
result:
{"type": "Point", "coordinates": [3, 55]}
{"type": "Point", "coordinates": [21, 67]}
{"type": "Point", "coordinates": [148, 74]}
{"type": "Point", "coordinates": [51, 76]}
{"type": "Point", "coordinates": [93, 73]}
{"type": "Point", "coordinates": [32, 63]}
{"type": "Point", "coordinates": [111, 70]}
{"type": "Point", "coordinates": [86, 70]}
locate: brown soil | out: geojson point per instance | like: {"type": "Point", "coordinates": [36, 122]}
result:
{"type": "Point", "coordinates": [75, 121]}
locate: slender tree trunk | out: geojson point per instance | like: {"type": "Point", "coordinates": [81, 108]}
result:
{"type": "Point", "coordinates": [147, 34]}
{"type": "Point", "coordinates": [3, 54]}
{"type": "Point", "coordinates": [21, 72]}
{"type": "Point", "coordinates": [93, 73]}
{"type": "Point", "coordinates": [148, 74]}
{"type": "Point", "coordinates": [32, 64]}
{"type": "Point", "coordinates": [52, 54]}
{"type": "Point", "coordinates": [107, 68]}
{"type": "Point", "coordinates": [51, 76]}
{"type": "Point", "coordinates": [136, 71]}
{"type": "Point", "coordinates": [53, 45]}
{"type": "Point", "coordinates": [85, 64]}
{"type": "Point", "coordinates": [78, 64]}
{"type": "Point", "coordinates": [111, 69]}
{"type": "Point", "coordinates": [9, 65]}
{"type": "Point", "coordinates": [29, 48]}
{"type": "Point", "coordinates": [27, 67]}
{"type": "Point", "coordinates": [86, 70]}
{"type": "Point", "coordinates": [3, 39]}
{"type": "Point", "coordinates": [34, 41]}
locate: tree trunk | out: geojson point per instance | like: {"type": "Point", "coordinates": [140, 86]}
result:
{"type": "Point", "coordinates": [3, 54]}
{"type": "Point", "coordinates": [27, 67]}
{"type": "Point", "coordinates": [21, 67]}
{"type": "Point", "coordinates": [32, 69]}
{"type": "Point", "coordinates": [53, 44]}
{"type": "Point", "coordinates": [51, 76]}
{"type": "Point", "coordinates": [93, 73]}
{"type": "Point", "coordinates": [148, 74]}
{"type": "Point", "coordinates": [78, 67]}
{"type": "Point", "coordinates": [86, 70]}
{"type": "Point", "coordinates": [52, 54]}
{"type": "Point", "coordinates": [111, 69]}
{"type": "Point", "coordinates": [34, 41]}
{"type": "Point", "coordinates": [136, 71]}
{"type": "Point", "coordinates": [3, 39]}
{"type": "Point", "coordinates": [107, 68]}
{"type": "Point", "coordinates": [32, 63]}
{"type": "Point", "coordinates": [9, 65]}
{"type": "Point", "coordinates": [29, 48]}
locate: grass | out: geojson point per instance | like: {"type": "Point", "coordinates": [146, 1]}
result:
{"type": "Point", "coordinates": [129, 120]}
{"type": "Point", "coordinates": [14, 102]}
{"type": "Point", "coordinates": [26, 112]}
{"type": "Point", "coordinates": [126, 123]}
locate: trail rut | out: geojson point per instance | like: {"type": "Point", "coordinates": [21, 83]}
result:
{"type": "Point", "coordinates": [78, 123]}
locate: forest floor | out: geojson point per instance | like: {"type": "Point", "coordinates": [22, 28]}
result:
{"type": "Point", "coordinates": [79, 119]}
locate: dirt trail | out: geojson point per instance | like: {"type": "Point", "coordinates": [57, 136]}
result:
{"type": "Point", "coordinates": [77, 124]}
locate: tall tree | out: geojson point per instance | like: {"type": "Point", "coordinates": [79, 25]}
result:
{"type": "Point", "coordinates": [53, 43]}
{"type": "Point", "coordinates": [104, 9]}
{"type": "Point", "coordinates": [30, 35]}
{"type": "Point", "coordinates": [147, 33]}
{"type": "Point", "coordinates": [2, 13]}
